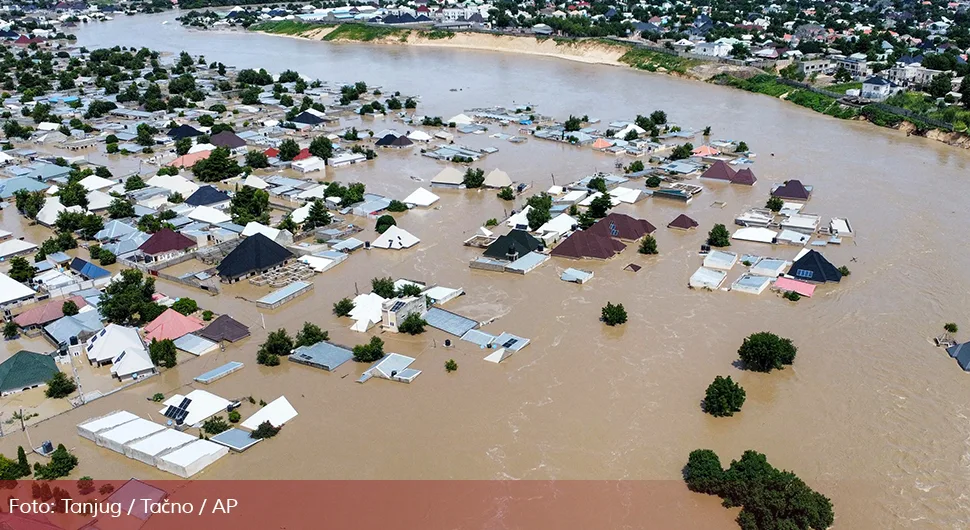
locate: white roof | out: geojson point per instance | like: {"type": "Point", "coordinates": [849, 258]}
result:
{"type": "Point", "coordinates": [705, 277]}
{"type": "Point", "coordinates": [4, 157]}
{"type": "Point", "coordinates": [626, 130]}
{"type": "Point", "coordinates": [421, 197]}
{"type": "Point", "coordinates": [278, 412]}
{"type": "Point", "coordinates": [396, 238]}
{"type": "Point", "coordinates": [448, 175]}
{"type": "Point", "coordinates": [559, 224]}
{"type": "Point", "coordinates": [99, 200]}
{"type": "Point", "coordinates": [47, 126]}
{"type": "Point", "coordinates": [208, 214]}
{"type": "Point", "coordinates": [626, 195]}
{"type": "Point", "coordinates": [15, 246]}
{"type": "Point", "coordinates": [190, 453]}
{"type": "Point", "coordinates": [253, 228]}
{"type": "Point", "coordinates": [112, 340]}
{"type": "Point", "coordinates": [300, 214]}
{"type": "Point", "coordinates": [162, 441]}
{"type": "Point", "coordinates": [497, 178]}
{"type": "Point", "coordinates": [573, 196]}
{"type": "Point", "coordinates": [520, 218]}
{"type": "Point", "coordinates": [719, 259]}
{"type": "Point", "coordinates": [174, 183]}
{"type": "Point", "coordinates": [108, 421]}
{"type": "Point", "coordinates": [459, 119]}
{"type": "Point", "coordinates": [315, 192]}
{"type": "Point", "coordinates": [132, 430]}
{"type": "Point", "coordinates": [255, 182]}
{"type": "Point", "coordinates": [308, 163]}
{"type": "Point", "coordinates": [94, 182]}
{"type": "Point", "coordinates": [203, 405]}
{"type": "Point", "coordinates": [554, 190]}
{"type": "Point", "coordinates": [367, 308]}
{"type": "Point", "coordinates": [131, 361]}
{"type": "Point", "coordinates": [592, 196]}
{"type": "Point", "coordinates": [198, 148]}
{"type": "Point", "coordinates": [759, 235]}
{"type": "Point", "coordinates": [419, 136]}
{"type": "Point", "coordinates": [52, 208]}
{"type": "Point", "coordinates": [840, 226]}
{"type": "Point", "coordinates": [11, 290]}
{"type": "Point", "coordinates": [797, 238]}
{"type": "Point", "coordinates": [316, 263]}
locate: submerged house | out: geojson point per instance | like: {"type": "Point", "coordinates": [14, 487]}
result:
{"type": "Point", "coordinates": [256, 254]}
{"type": "Point", "coordinates": [682, 222]}
{"type": "Point", "coordinates": [720, 170]}
{"type": "Point", "coordinates": [813, 267]}
{"type": "Point", "coordinates": [585, 244]}
{"type": "Point", "coordinates": [512, 246]}
{"type": "Point", "coordinates": [961, 352]}
{"type": "Point", "coordinates": [793, 190]}
{"type": "Point", "coordinates": [622, 226]}
{"type": "Point", "coordinates": [164, 245]}
{"type": "Point", "coordinates": [25, 370]}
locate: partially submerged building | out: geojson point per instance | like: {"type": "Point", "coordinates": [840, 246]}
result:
{"type": "Point", "coordinates": [256, 254]}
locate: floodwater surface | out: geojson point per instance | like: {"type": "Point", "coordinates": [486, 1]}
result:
{"type": "Point", "coordinates": [871, 414]}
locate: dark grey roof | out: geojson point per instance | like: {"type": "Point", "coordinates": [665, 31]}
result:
{"type": "Point", "coordinates": [961, 352]}
{"type": "Point", "coordinates": [256, 253]}
{"type": "Point", "coordinates": [814, 267]}
{"type": "Point", "coordinates": [227, 139]}
{"type": "Point", "coordinates": [207, 195]}
{"type": "Point", "coordinates": [519, 241]}
{"type": "Point", "coordinates": [184, 131]}
{"type": "Point", "coordinates": [321, 355]}
{"type": "Point", "coordinates": [224, 327]}
{"type": "Point", "coordinates": [307, 118]}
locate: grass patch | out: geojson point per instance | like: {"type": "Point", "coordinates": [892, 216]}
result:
{"type": "Point", "coordinates": [652, 61]}
{"type": "Point", "coordinates": [360, 32]}
{"type": "Point", "coordinates": [438, 34]}
{"type": "Point", "coordinates": [842, 88]}
{"type": "Point", "coordinates": [285, 27]}
{"type": "Point", "coordinates": [769, 86]}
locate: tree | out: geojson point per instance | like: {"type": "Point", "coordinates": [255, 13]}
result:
{"type": "Point", "coordinates": [145, 135]}
{"type": "Point", "coordinates": [474, 178]}
{"type": "Point", "coordinates": [774, 204]}
{"type": "Point", "coordinates": [657, 117]}
{"type": "Point", "coordinates": [397, 206]}
{"type": "Point", "coordinates": [182, 146]}
{"type": "Point", "coordinates": [707, 131]}
{"type": "Point", "coordinates": [277, 344]}
{"type": "Point", "coordinates": [234, 416]}
{"type": "Point", "coordinates": [742, 147]}
{"type": "Point", "coordinates": [383, 287]}
{"type": "Point", "coordinates": [740, 51]}
{"type": "Point", "coordinates": [287, 223]}
{"type": "Point", "coordinates": [60, 465]}
{"type": "Point", "coordinates": [85, 485]}
{"type": "Point", "coordinates": [682, 151]}
{"type": "Point", "coordinates": [451, 366]}
{"type": "Point", "coordinates": [635, 167]}
{"type": "Point", "coordinates": [412, 324]}
{"type": "Point", "coordinates": [318, 216]}
{"type": "Point", "coordinates": [844, 270]}
{"type": "Point", "coordinates": [408, 290]}
{"type": "Point", "coordinates": [648, 245]}
{"type": "Point", "coordinates": [163, 353]}
{"type": "Point", "coordinates": [573, 124]}
{"type": "Point", "coordinates": [288, 150]}
{"type": "Point", "coordinates": [73, 194]}
{"type": "Point", "coordinates": [653, 181]}
{"type": "Point", "coordinates": [91, 224]}
{"type": "Point", "coordinates": [69, 308]}
{"type": "Point", "coordinates": [370, 352]}
{"type": "Point", "coordinates": [321, 147]}
{"type": "Point", "coordinates": [185, 306]}
{"type": "Point", "coordinates": [10, 330]}
{"type": "Point", "coordinates": [23, 465]}
{"type": "Point", "coordinates": [264, 430]}
{"type": "Point", "coordinates": [215, 425]}
{"type": "Point", "coordinates": [134, 182]}
{"type": "Point", "coordinates": [218, 166]}
{"type": "Point", "coordinates": [613, 314]}
{"type": "Point", "coordinates": [384, 222]}
{"type": "Point", "coordinates": [951, 328]}
{"type": "Point", "coordinates": [127, 300]}
{"type": "Point", "coordinates": [60, 386]}
{"type": "Point", "coordinates": [939, 86]}
{"type": "Point", "coordinates": [965, 92]}
{"type": "Point", "coordinates": [21, 270]}
{"type": "Point", "coordinates": [538, 217]}
{"type": "Point", "coordinates": [724, 397]}
{"type": "Point", "coordinates": [765, 351]}
{"type": "Point", "coordinates": [599, 206]}
{"type": "Point", "coordinates": [842, 75]}
{"type": "Point", "coordinates": [249, 204]}
{"type": "Point", "coordinates": [68, 221]}
{"type": "Point", "coordinates": [29, 203]}
{"type": "Point", "coordinates": [343, 307]}
{"type": "Point", "coordinates": [719, 236]}
{"type": "Point", "coordinates": [257, 159]}
{"type": "Point", "coordinates": [310, 335]}
{"type": "Point", "coordinates": [703, 473]}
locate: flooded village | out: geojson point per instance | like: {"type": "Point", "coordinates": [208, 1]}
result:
{"type": "Point", "coordinates": [260, 200]}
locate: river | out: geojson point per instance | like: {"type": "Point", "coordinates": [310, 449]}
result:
{"type": "Point", "coordinates": [871, 414]}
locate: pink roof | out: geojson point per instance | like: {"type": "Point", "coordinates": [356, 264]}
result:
{"type": "Point", "coordinates": [602, 143]}
{"type": "Point", "coordinates": [788, 284]}
{"type": "Point", "coordinates": [48, 312]}
{"type": "Point", "coordinates": [705, 150]}
{"type": "Point", "coordinates": [189, 160]}
{"type": "Point", "coordinates": [171, 325]}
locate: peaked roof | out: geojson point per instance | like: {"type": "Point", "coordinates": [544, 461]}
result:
{"type": "Point", "coordinates": [497, 178]}
{"type": "Point", "coordinates": [207, 195]}
{"type": "Point", "coordinates": [88, 270]}
{"type": "Point", "coordinates": [224, 327]}
{"type": "Point", "coordinates": [520, 241]}
{"type": "Point", "coordinates": [584, 244]}
{"type": "Point", "coordinates": [744, 176]}
{"type": "Point", "coordinates": [24, 369]}
{"type": "Point", "coordinates": [307, 118]}
{"type": "Point", "coordinates": [111, 341]}
{"type": "Point", "coordinates": [961, 352]}
{"type": "Point", "coordinates": [793, 189]}
{"type": "Point", "coordinates": [448, 175]}
{"type": "Point", "coordinates": [227, 139]}
{"type": "Point", "coordinates": [183, 131]}
{"type": "Point", "coordinates": [683, 222]}
{"type": "Point", "coordinates": [47, 312]}
{"type": "Point", "coordinates": [171, 325]}
{"type": "Point", "coordinates": [165, 240]}
{"type": "Point", "coordinates": [622, 226]}
{"type": "Point", "coordinates": [256, 253]}
{"type": "Point", "coordinates": [396, 238]}
{"type": "Point", "coordinates": [815, 268]}
{"type": "Point", "coordinates": [719, 170]}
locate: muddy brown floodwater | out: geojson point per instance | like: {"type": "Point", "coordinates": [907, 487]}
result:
{"type": "Point", "coordinates": [871, 414]}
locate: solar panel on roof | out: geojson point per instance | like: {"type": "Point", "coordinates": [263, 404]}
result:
{"type": "Point", "coordinates": [170, 412]}
{"type": "Point", "coordinates": [185, 403]}
{"type": "Point", "coordinates": [509, 343]}
{"type": "Point", "coordinates": [397, 305]}
{"type": "Point", "coordinates": [613, 231]}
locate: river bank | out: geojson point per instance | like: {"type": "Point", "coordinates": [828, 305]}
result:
{"type": "Point", "coordinates": [614, 53]}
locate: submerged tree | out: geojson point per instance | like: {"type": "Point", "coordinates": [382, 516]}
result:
{"type": "Point", "coordinates": [724, 397]}
{"type": "Point", "coordinates": [613, 314]}
{"type": "Point", "coordinates": [765, 351]}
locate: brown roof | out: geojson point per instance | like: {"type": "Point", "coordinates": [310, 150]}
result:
{"type": "Point", "coordinates": [46, 313]}
{"type": "Point", "coordinates": [682, 222]}
{"type": "Point", "coordinates": [622, 226]}
{"type": "Point", "coordinates": [719, 171]}
{"type": "Point", "coordinates": [793, 189]}
{"type": "Point", "coordinates": [584, 244]}
{"type": "Point", "coordinates": [744, 176]}
{"type": "Point", "coordinates": [165, 240]}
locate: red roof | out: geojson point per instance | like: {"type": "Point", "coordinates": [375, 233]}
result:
{"type": "Point", "coordinates": [584, 244]}
{"type": "Point", "coordinates": [165, 240]}
{"type": "Point", "coordinates": [682, 222]}
{"type": "Point", "coordinates": [171, 325]}
{"type": "Point", "coordinates": [46, 313]}
{"type": "Point", "coordinates": [304, 153]}
{"type": "Point", "coordinates": [719, 170]}
{"type": "Point", "coordinates": [272, 152]}
{"type": "Point", "coordinates": [744, 176]}
{"type": "Point", "coordinates": [622, 226]}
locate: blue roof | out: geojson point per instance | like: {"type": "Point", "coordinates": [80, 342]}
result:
{"type": "Point", "coordinates": [282, 293]}
{"type": "Point", "coordinates": [114, 229]}
{"type": "Point", "coordinates": [449, 322]}
{"type": "Point", "coordinates": [322, 355]}
{"type": "Point", "coordinates": [235, 439]}
{"type": "Point", "coordinates": [510, 342]}
{"type": "Point", "coordinates": [88, 270]}
{"type": "Point", "coordinates": [11, 186]}
{"type": "Point", "coordinates": [478, 337]}
{"type": "Point", "coordinates": [62, 329]}
{"type": "Point", "coordinates": [221, 371]}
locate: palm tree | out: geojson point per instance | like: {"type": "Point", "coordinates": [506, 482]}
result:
{"type": "Point", "coordinates": [707, 130]}
{"type": "Point", "coordinates": [949, 329]}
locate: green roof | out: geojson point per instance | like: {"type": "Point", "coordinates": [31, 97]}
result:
{"type": "Point", "coordinates": [25, 369]}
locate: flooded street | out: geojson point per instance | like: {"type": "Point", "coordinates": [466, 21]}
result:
{"type": "Point", "coordinates": [871, 414]}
